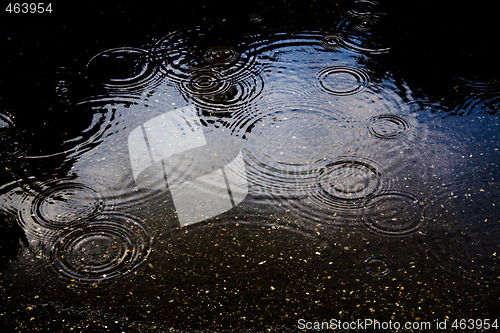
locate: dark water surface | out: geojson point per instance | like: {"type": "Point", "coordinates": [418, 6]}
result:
{"type": "Point", "coordinates": [207, 167]}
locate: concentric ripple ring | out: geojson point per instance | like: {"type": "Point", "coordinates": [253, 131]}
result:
{"type": "Point", "coordinates": [205, 83]}
{"type": "Point", "coordinates": [125, 67]}
{"type": "Point", "coordinates": [377, 265]}
{"type": "Point", "coordinates": [343, 80]}
{"type": "Point", "coordinates": [394, 214]}
{"type": "Point", "coordinates": [50, 207]}
{"type": "Point", "coordinates": [66, 204]}
{"type": "Point", "coordinates": [221, 55]}
{"type": "Point", "coordinates": [107, 248]}
{"type": "Point", "coordinates": [388, 126]}
{"type": "Point", "coordinates": [349, 180]}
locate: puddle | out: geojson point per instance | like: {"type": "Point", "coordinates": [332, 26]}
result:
{"type": "Point", "coordinates": [244, 173]}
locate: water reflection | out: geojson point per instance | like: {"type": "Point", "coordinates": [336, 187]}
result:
{"type": "Point", "coordinates": [205, 177]}
{"type": "Point", "coordinates": [253, 172]}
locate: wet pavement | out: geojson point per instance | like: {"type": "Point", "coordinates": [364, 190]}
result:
{"type": "Point", "coordinates": [207, 168]}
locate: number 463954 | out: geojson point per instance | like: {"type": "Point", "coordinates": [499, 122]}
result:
{"type": "Point", "coordinates": [475, 324]}
{"type": "Point", "coordinates": [31, 7]}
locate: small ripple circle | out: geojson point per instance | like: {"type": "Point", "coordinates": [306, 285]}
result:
{"type": "Point", "coordinates": [205, 83]}
{"type": "Point", "coordinates": [349, 180]}
{"type": "Point", "coordinates": [343, 80]}
{"type": "Point", "coordinates": [221, 55]}
{"type": "Point", "coordinates": [332, 41]}
{"type": "Point", "coordinates": [388, 126]}
{"type": "Point", "coordinates": [377, 265]}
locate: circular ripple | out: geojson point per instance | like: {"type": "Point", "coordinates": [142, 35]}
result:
{"type": "Point", "coordinates": [340, 194]}
{"type": "Point", "coordinates": [107, 248]}
{"type": "Point", "coordinates": [349, 181]}
{"type": "Point", "coordinates": [332, 41]}
{"type": "Point", "coordinates": [361, 33]}
{"type": "Point", "coordinates": [122, 66]}
{"type": "Point", "coordinates": [394, 214]}
{"type": "Point", "coordinates": [206, 83]}
{"type": "Point", "coordinates": [126, 68]}
{"type": "Point", "coordinates": [377, 265]}
{"type": "Point", "coordinates": [463, 229]}
{"type": "Point", "coordinates": [57, 205]}
{"type": "Point", "coordinates": [185, 51]}
{"type": "Point", "coordinates": [66, 204]}
{"type": "Point", "coordinates": [221, 55]}
{"type": "Point", "coordinates": [480, 103]}
{"type": "Point", "coordinates": [214, 93]}
{"type": "Point", "coordinates": [388, 126]}
{"type": "Point", "coordinates": [343, 80]}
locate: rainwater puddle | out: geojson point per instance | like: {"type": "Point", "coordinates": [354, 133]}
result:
{"type": "Point", "coordinates": [245, 173]}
